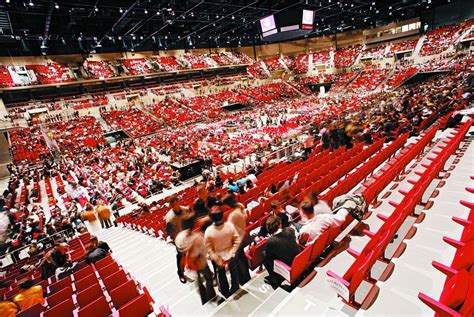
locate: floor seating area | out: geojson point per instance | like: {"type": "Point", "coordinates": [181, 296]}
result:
{"type": "Point", "coordinates": [28, 145]}
{"type": "Point", "coordinates": [132, 120]}
{"type": "Point", "coordinates": [73, 135]}
{"type": "Point", "coordinates": [172, 113]}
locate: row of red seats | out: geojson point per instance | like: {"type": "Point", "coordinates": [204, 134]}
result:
{"type": "Point", "coordinates": [400, 75]}
{"type": "Point", "coordinates": [51, 73]}
{"type": "Point", "coordinates": [6, 79]}
{"type": "Point", "coordinates": [137, 66]}
{"type": "Point", "coordinates": [346, 56]}
{"type": "Point", "coordinates": [457, 296]}
{"type": "Point", "coordinates": [374, 249]}
{"type": "Point", "coordinates": [368, 80]}
{"type": "Point", "coordinates": [28, 145]}
{"type": "Point", "coordinates": [167, 63]}
{"type": "Point", "coordinates": [172, 113]}
{"type": "Point", "coordinates": [273, 64]}
{"type": "Point", "coordinates": [134, 121]}
{"type": "Point", "coordinates": [98, 69]}
{"type": "Point", "coordinates": [313, 251]}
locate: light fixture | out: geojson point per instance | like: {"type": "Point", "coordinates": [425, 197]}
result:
{"type": "Point", "coordinates": [56, 6]}
{"type": "Point", "coordinates": [96, 9]}
{"type": "Point", "coordinates": [31, 3]}
{"type": "Point", "coordinates": [146, 11]}
{"type": "Point", "coordinates": [158, 13]}
{"type": "Point", "coordinates": [121, 10]}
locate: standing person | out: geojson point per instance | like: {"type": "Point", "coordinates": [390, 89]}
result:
{"type": "Point", "coordinates": [174, 225]}
{"type": "Point", "coordinates": [191, 245]}
{"type": "Point", "coordinates": [204, 202]}
{"type": "Point", "coordinates": [103, 213]}
{"type": "Point", "coordinates": [238, 217]}
{"type": "Point", "coordinates": [222, 243]}
{"type": "Point", "coordinates": [281, 246]}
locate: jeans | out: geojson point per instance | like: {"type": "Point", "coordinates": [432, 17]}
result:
{"type": "Point", "coordinates": [222, 278]}
{"type": "Point", "coordinates": [205, 285]}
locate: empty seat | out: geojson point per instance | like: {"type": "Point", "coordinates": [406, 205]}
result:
{"type": "Point", "coordinates": [59, 296]}
{"type": "Point", "coordinates": [88, 295]}
{"type": "Point", "coordinates": [123, 294]}
{"type": "Point", "coordinates": [108, 270]}
{"type": "Point", "coordinates": [104, 262]}
{"type": "Point", "coordinates": [59, 285]}
{"type": "Point", "coordinates": [88, 270]}
{"type": "Point", "coordinates": [64, 309]}
{"type": "Point", "coordinates": [97, 308]}
{"type": "Point", "coordinates": [115, 280]}
{"type": "Point", "coordinates": [138, 307]}
{"type": "Point", "coordinates": [86, 282]}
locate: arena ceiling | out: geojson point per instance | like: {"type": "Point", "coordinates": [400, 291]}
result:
{"type": "Point", "coordinates": [33, 27]}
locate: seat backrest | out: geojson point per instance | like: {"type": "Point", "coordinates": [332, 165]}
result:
{"type": "Point", "coordinates": [64, 309]}
{"type": "Point", "coordinates": [59, 285]}
{"type": "Point", "coordinates": [104, 262]}
{"type": "Point", "coordinates": [138, 307]}
{"type": "Point", "coordinates": [98, 308]}
{"type": "Point", "coordinates": [115, 280]}
{"type": "Point", "coordinates": [89, 294]}
{"type": "Point", "coordinates": [256, 254]}
{"type": "Point", "coordinates": [360, 273]}
{"type": "Point", "coordinates": [320, 244]}
{"type": "Point", "coordinates": [88, 270]}
{"type": "Point", "coordinates": [108, 270]}
{"type": "Point", "coordinates": [123, 294]}
{"type": "Point", "coordinates": [59, 297]}
{"type": "Point", "coordinates": [33, 311]}
{"type": "Point", "coordinates": [86, 282]}
{"type": "Point", "coordinates": [300, 263]}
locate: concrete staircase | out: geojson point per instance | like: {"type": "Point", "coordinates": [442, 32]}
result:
{"type": "Point", "coordinates": [418, 46]}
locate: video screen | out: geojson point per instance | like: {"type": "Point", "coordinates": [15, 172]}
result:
{"type": "Point", "coordinates": [267, 23]}
{"type": "Point", "coordinates": [308, 17]}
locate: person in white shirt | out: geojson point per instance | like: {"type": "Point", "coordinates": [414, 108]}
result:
{"type": "Point", "coordinates": [319, 206]}
{"type": "Point", "coordinates": [313, 225]}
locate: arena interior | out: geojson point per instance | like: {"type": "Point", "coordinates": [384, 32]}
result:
{"type": "Point", "coordinates": [236, 158]}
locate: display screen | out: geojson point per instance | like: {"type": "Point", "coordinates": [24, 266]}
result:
{"type": "Point", "coordinates": [308, 17]}
{"type": "Point", "coordinates": [267, 23]}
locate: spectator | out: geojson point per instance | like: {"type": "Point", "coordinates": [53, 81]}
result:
{"type": "Point", "coordinates": [238, 217]}
{"type": "Point", "coordinates": [174, 225]}
{"type": "Point", "coordinates": [52, 260]}
{"type": "Point", "coordinates": [103, 213]}
{"type": "Point", "coordinates": [96, 250]}
{"type": "Point", "coordinates": [29, 295]}
{"type": "Point", "coordinates": [280, 246]}
{"type": "Point", "coordinates": [8, 309]}
{"type": "Point", "coordinates": [314, 225]}
{"type": "Point", "coordinates": [204, 202]}
{"type": "Point", "coordinates": [191, 245]}
{"type": "Point", "coordinates": [222, 243]}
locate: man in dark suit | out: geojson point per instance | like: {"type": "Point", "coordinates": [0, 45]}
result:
{"type": "Point", "coordinates": [281, 246]}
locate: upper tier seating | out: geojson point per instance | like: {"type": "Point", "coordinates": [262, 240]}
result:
{"type": "Point", "coordinates": [204, 104]}
{"type": "Point", "coordinates": [137, 66]}
{"type": "Point", "coordinates": [98, 69]}
{"type": "Point", "coordinates": [400, 75]}
{"type": "Point", "coordinates": [346, 56]}
{"type": "Point", "coordinates": [273, 64]}
{"type": "Point", "coordinates": [51, 73]}
{"type": "Point", "coordinates": [403, 46]}
{"type": "Point", "coordinates": [257, 70]}
{"type": "Point", "coordinates": [378, 52]}
{"type": "Point", "coordinates": [322, 57]}
{"type": "Point", "coordinates": [198, 61]}
{"type": "Point", "coordinates": [167, 63]}
{"type": "Point", "coordinates": [6, 79]}
{"type": "Point", "coordinates": [222, 59]}
{"type": "Point", "coordinates": [368, 80]}
{"type": "Point", "coordinates": [440, 39]}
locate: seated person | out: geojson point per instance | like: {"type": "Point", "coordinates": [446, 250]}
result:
{"type": "Point", "coordinates": [54, 259]}
{"type": "Point", "coordinates": [281, 246]}
{"type": "Point", "coordinates": [313, 225]}
{"type": "Point", "coordinates": [29, 295]}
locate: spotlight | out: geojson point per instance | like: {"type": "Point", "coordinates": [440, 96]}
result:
{"type": "Point", "coordinates": [56, 6]}
{"type": "Point", "coordinates": [121, 10]}
{"type": "Point", "coordinates": [31, 3]}
{"type": "Point", "coordinates": [146, 11]}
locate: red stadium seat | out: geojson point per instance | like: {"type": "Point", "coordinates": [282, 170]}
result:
{"type": "Point", "coordinates": [33, 311]}
{"type": "Point", "coordinates": [59, 285]}
{"type": "Point", "coordinates": [123, 294]}
{"type": "Point", "coordinates": [115, 280]}
{"type": "Point", "coordinates": [64, 309]}
{"type": "Point", "coordinates": [138, 307]}
{"type": "Point", "coordinates": [88, 295]}
{"type": "Point", "coordinates": [97, 308]}
{"type": "Point", "coordinates": [86, 282]}
{"type": "Point", "coordinates": [59, 296]}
